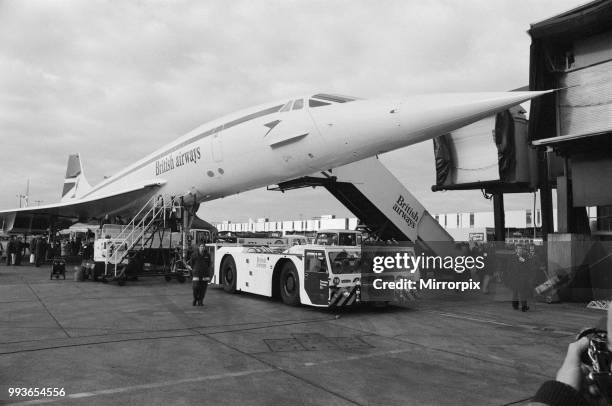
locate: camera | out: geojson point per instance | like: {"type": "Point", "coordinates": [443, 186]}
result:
{"type": "Point", "coordinates": [599, 358]}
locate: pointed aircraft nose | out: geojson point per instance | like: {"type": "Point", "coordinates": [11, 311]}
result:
{"type": "Point", "coordinates": [360, 129]}
{"type": "Point", "coordinates": [426, 116]}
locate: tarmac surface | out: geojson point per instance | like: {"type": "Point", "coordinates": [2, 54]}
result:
{"type": "Point", "coordinates": [145, 344]}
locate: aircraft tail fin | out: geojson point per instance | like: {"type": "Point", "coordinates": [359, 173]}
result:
{"type": "Point", "coordinates": [75, 184]}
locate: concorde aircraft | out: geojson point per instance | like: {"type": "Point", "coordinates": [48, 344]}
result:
{"type": "Point", "coordinates": [265, 145]}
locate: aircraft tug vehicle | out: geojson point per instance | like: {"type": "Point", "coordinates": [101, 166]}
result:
{"type": "Point", "coordinates": [314, 275]}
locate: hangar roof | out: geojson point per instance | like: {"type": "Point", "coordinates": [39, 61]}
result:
{"type": "Point", "coordinates": [587, 19]}
{"type": "Point", "coordinates": [553, 39]}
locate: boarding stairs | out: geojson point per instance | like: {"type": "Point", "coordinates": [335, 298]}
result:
{"type": "Point", "coordinates": [139, 232]}
{"type": "Point", "coordinates": [383, 205]}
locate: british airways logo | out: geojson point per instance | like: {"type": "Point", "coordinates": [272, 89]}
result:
{"type": "Point", "coordinates": [169, 162]}
{"type": "Point", "coordinates": [407, 212]}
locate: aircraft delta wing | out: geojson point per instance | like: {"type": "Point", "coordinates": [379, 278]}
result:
{"type": "Point", "coordinates": [29, 219]}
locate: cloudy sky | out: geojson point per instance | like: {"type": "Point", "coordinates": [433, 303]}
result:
{"type": "Point", "coordinates": [115, 80]}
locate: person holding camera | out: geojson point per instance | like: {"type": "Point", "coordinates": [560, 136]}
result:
{"type": "Point", "coordinates": [572, 386]}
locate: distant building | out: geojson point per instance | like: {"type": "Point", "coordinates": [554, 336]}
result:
{"type": "Point", "coordinates": [479, 226]}
{"type": "Point", "coordinates": [290, 226]}
{"type": "Point", "coordinates": [461, 226]}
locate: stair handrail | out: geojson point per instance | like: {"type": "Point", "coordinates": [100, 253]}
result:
{"type": "Point", "coordinates": [136, 228]}
{"type": "Point", "coordinates": [132, 224]}
{"type": "Point", "coordinates": [134, 231]}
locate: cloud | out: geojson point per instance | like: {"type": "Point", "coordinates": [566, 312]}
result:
{"type": "Point", "coordinates": [116, 80]}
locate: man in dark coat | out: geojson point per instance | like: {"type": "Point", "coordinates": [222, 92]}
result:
{"type": "Point", "coordinates": [41, 249]}
{"type": "Point", "coordinates": [33, 247]}
{"type": "Point", "coordinates": [52, 249]}
{"type": "Point", "coordinates": [201, 274]}
{"type": "Point", "coordinates": [10, 250]}
{"type": "Point", "coordinates": [520, 274]}
{"type": "Point", "coordinates": [19, 248]}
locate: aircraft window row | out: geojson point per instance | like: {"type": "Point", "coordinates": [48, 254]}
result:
{"type": "Point", "coordinates": [290, 105]}
{"type": "Point", "coordinates": [215, 130]}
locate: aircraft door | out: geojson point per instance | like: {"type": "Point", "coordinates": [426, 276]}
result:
{"type": "Point", "coordinates": [217, 147]}
{"type": "Point", "coordinates": [316, 277]}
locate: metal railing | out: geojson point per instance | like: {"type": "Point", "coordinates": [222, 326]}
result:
{"type": "Point", "coordinates": [132, 233]}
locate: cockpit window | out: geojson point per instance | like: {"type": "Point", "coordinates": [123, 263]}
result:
{"type": "Point", "coordinates": [286, 107]}
{"type": "Point", "coordinates": [298, 104]}
{"type": "Point", "coordinates": [317, 103]}
{"type": "Point", "coordinates": [334, 98]}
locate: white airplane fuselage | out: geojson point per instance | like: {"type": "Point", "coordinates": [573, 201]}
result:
{"type": "Point", "coordinates": [272, 143]}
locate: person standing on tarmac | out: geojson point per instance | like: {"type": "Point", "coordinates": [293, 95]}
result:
{"type": "Point", "coordinates": [200, 272]}
{"type": "Point", "coordinates": [33, 244]}
{"type": "Point", "coordinates": [10, 251]}
{"type": "Point", "coordinates": [41, 248]}
{"type": "Point", "coordinates": [520, 272]}
{"type": "Point", "coordinates": [19, 249]}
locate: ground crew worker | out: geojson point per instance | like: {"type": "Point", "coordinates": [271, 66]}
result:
{"type": "Point", "coordinates": [520, 273]}
{"type": "Point", "coordinates": [33, 244]}
{"type": "Point", "coordinates": [52, 249]}
{"type": "Point", "coordinates": [41, 248]}
{"type": "Point", "coordinates": [88, 249]}
{"type": "Point", "coordinates": [200, 272]}
{"type": "Point", "coordinates": [10, 250]}
{"type": "Point", "coordinates": [19, 250]}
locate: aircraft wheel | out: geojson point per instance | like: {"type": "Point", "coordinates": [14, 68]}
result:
{"type": "Point", "coordinates": [290, 285]}
{"type": "Point", "coordinates": [181, 278]}
{"type": "Point", "coordinates": [168, 278]}
{"type": "Point", "coordinates": [228, 272]}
